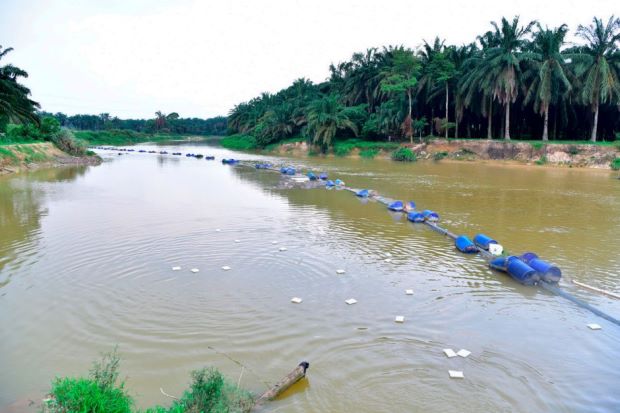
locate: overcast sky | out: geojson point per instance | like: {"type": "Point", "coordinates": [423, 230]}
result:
{"type": "Point", "coordinates": [199, 58]}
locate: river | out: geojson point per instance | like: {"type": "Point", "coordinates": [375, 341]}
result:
{"type": "Point", "coordinates": [86, 257]}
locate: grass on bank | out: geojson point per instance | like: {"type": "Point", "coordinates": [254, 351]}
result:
{"type": "Point", "coordinates": [102, 392]}
{"type": "Point", "coordinates": [120, 137]}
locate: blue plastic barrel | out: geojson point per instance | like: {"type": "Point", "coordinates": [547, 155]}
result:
{"type": "Point", "coordinates": [482, 241]}
{"type": "Point", "coordinates": [311, 176]}
{"type": "Point", "coordinates": [430, 216]}
{"type": "Point", "coordinates": [410, 205]}
{"type": "Point", "coordinates": [323, 176]}
{"type": "Point", "coordinates": [464, 244]}
{"type": "Point", "coordinates": [330, 183]}
{"type": "Point", "coordinates": [363, 193]}
{"type": "Point", "coordinates": [396, 206]}
{"type": "Point", "coordinates": [415, 216]}
{"type": "Point", "coordinates": [547, 271]}
{"type": "Point", "coordinates": [499, 264]}
{"type": "Point", "coordinates": [290, 171]}
{"type": "Point", "coordinates": [339, 182]}
{"type": "Point", "coordinates": [521, 272]}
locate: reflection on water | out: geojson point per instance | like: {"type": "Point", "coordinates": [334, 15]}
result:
{"type": "Point", "coordinates": [90, 266]}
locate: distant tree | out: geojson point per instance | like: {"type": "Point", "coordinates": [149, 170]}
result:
{"type": "Point", "coordinates": [325, 117]}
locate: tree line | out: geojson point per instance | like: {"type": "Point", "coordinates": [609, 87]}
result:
{"type": "Point", "coordinates": [161, 123]}
{"type": "Point", "coordinates": [516, 80]}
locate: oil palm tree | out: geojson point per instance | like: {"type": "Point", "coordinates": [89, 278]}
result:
{"type": "Point", "coordinates": [15, 105]}
{"type": "Point", "coordinates": [325, 117]}
{"type": "Point", "coordinates": [547, 72]}
{"type": "Point", "coordinates": [599, 65]}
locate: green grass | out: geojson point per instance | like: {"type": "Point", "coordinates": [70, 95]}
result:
{"type": "Point", "coordinates": [369, 153]}
{"type": "Point", "coordinates": [541, 161]}
{"type": "Point", "coordinates": [404, 155]}
{"type": "Point", "coordinates": [615, 164]}
{"type": "Point", "coordinates": [8, 155]}
{"type": "Point", "coordinates": [101, 392]}
{"type": "Point", "coordinates": [239, 142]}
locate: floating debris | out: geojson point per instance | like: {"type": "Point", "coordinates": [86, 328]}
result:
{"type": "Point", "coordinates": [176, 268]}
{"type": "Point", "coordinates": [218, 230]}
{"type": "Point", "coordinates": [454, 374]}
{"type": "Point", "coordinates": [237, 241]}
{"type": "Point", "coordinates": [226, 268]}
{"type": "Point", "coordinates": [340, 271]}
{"type": "Point", "coordinates": [463, 353]}
{"type": "Point", "coordinates": [282, 248]}
{"type": "Point", "coordinates": [409, 292]}
{"type": "Point", "coordinates": [351, 301]}
{"type": "Point", "coordinates": [274, 242]}
{"type": "Point", "coordinates": [194, 270]}
{"type": "Point", "coordinates": [296, 300]}
{"type": "Point", "coordinates": [387, 254]}
{"type": "Point", "coordinates": [388, 260]}
{"type": "Point", "coordinates": [594, 326]}
{"type": "Point", "coordinates": [449, 352]}
{"type": "Point", "coordinates": [399, 319]}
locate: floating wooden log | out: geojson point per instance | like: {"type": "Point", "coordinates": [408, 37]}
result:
{"type": "Point", "coordinates": [598, 290]}
{"type": "Point", "coordinates": [287, 381]}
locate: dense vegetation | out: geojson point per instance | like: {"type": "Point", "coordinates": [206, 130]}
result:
{"type": "Point", "coordinates": [101, 392]}
{"type": "Point", "coordinates": [162, 123]}
{"type": "Point", "coordinates": [517, 80]}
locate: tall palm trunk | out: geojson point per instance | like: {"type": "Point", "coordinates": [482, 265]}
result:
{"type": "Point", "coordinates": [446, 127]}
{"type": "Point", "coordinates": [595, 125]}
{"type": "Point", "coordinates": [545, 136]}
{"type": "Point", "coordinates": [507, 123]}
{"type": "Point", "coordinates": [410, 117]}
{"type": "Point", "coordinates": [490, 125]}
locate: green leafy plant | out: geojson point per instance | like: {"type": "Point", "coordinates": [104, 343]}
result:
{"type": "Point", "coordinates": [438, 156]}
{"type": "Point", "coordinates": [369, 153]}
{"type": "Point", "coordinates": [615, 164]}
{"type": "Point", "coordinates": [404, 155]}
{"type": "Point", "coordinates": [542, 160]}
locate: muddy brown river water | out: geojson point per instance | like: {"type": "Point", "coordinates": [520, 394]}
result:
{"type": "Point", "coordinates": [86, 256]}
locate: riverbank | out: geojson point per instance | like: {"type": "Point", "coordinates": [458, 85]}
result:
{"type": "Point", "coordinates": [18, 157]}
{"type": "Point", "coordinates": [128, 137]}
{"type": "Point", "coordinates": [570, 154]}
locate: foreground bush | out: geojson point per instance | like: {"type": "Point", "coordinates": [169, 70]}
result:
{"type": "Point", "coordinates": [67, 142]}
{"type": "Point", "coordinates": [101, 392]}
{"type": "Point", "coordinates": [404, 155]}
{"type": "Point", "coordinates": [615, 164]}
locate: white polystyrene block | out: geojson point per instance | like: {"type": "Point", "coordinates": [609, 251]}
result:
{"type": "Point", "coordinates": [409, 292]}
{"type": "Point", "coordinates": [176, 268]}
{"type": "Point", "coordinates": [594, 326]}
{"type": "Point", "coordinates": [463, 353]}
{"type": "Point", "coordinates": [351, 301]}
{"type": "Point", "coordinates": [388, 260]}
{"type": "Point", "coordinates": [449, 352]}
{"type": "Point", "coordinates": [237, 241]}
{"type": "Point", "coordinates": [226, 268]}
{"type": "Point", "coordinates": [282, 248]}
{"type": "Point", "coordinates": [340, 271]}
{"type": "Point", "coordinates": [454, 374]}
{"type": "Point", "coordinates": [274, 242]}
{"type": "Point", "coordinates": [194, 270]}
{"type": "Point", "coordinates": [218, 230]}
{"type": "Point", "coordinates": [296, 300]}
{"type": "Point", "coordinates": [399, 319]}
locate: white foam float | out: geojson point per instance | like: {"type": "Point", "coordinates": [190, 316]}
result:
{"type": "Point", "coordinates": [594, 326]}
{"type": "Point", "coordinates": [399, 319]}
{"type": "Point", "coordinates": [226, 268]}
{"type": "Point", "coordinates": [388, 260]}
{"type": "Point", "coordinates": [340, 272]}
{"type": "Point", "coordinates": [296, 300]}
{"type": "Point", "coordinates": [237, 241]}
{"type": "Point", "coordinates": [449, 352]}
{"type": "Point", "coordinates": [463, 353]}
{"type": "Point", "coordinates": [194, 270]}
{"type": "Point", "coordinates": [409, 292]}
{"type": "Point", "coordinates": [176, 268]}
{"type": "Point", "coordinates": [455, 374]}
{"type": "Point", "coordinates": [282, 248]}
{"type": "Point", "coordinates": [350, 301]}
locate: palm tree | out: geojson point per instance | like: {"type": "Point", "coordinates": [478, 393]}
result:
{"type": "Point", "coordinates": [14, 102]}
{"type": "Point", "coordinates": [599, 64]}
{"type": "Point", "coordinates": [499, 72]}
{"type": "Point", "coordinates": [325, 117]}
{"type": "Point", "coordinates": [547, 72]}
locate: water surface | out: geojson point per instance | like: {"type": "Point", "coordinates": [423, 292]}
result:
{"type": "Point", "coordinates": [86, 257]}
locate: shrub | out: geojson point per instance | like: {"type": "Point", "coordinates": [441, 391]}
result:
{"type": "Point", "coordinates": [369, 153]}
{"type": "Point", "coordinates": [537, 145]}
{"type": "Point", "coordinates": [22, 133]}
{"type": "Point", "coordinates": [404, 155]}
{"type": "Point", "coordinates": [615, 164]}
{"type": "Point", "coordinates": [343, 149]}
{"type": "Point", "coordinates": [239, 142]}
{"type": "Point", "coordinates": [49, 127]}
{"type": "Point", "coordinates": [542, 160]}
{"type": "Point", "coordinates": [438, 156]}
{"type": "Point", "coordinates": [67, 142]}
